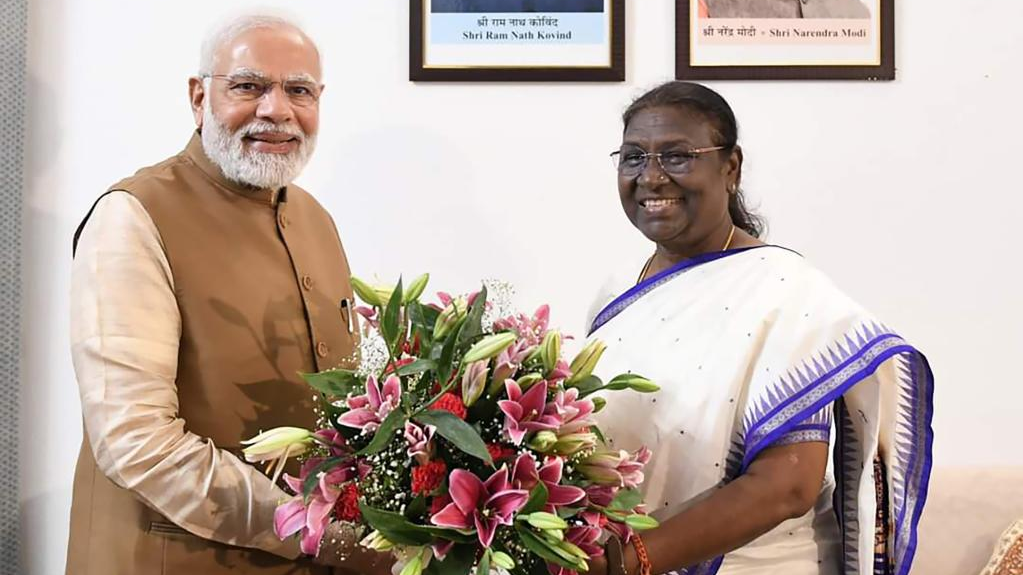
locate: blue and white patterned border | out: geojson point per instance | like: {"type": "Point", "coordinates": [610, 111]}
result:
{"type": "Point", "coordinates": [798, 407]}
{"type": "Point", "coordinates": [634, 294]}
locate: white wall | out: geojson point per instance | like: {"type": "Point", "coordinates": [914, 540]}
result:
{"type": "Point", "coordinates": [905, 192]}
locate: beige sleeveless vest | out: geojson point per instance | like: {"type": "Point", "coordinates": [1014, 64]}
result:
{"type": "Point", "coordinates": [258, 284]}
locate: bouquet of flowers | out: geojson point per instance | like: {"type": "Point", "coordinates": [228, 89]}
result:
{"type": "Point", "coordinates": [463, 442]}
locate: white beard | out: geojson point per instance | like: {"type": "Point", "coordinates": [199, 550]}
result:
{"type": "Point", "coordinates": [257, 169]}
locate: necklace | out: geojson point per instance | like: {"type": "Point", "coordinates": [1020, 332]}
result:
{"type": "Point", "coordinates": [650, 260]}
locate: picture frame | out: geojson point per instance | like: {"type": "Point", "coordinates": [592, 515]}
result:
{"type": "Point", "coordinates": [746, 40]}
{"type": "Point", "coordinates": [517, 40]}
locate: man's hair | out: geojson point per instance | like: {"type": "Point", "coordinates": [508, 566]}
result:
{"type": "Point", "coordinates": [230, 29]}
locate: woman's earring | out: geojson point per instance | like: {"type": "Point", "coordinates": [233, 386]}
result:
{"type": "Point", "coordinates": [732, 189]}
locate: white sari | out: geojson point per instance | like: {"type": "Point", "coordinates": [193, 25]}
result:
{"type": "Point", "coordinates": [755, 348]}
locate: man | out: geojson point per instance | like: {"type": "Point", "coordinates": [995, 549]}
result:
{"type": "Point", "coordinates": [201, 287]}
{"type": "Point", "coordinates": [786, 9]}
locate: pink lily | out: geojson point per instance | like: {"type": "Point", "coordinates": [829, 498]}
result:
{"type": "Point", "coordinates": [311, 516]}
{"type": "Point", "coordinates": [366, 412]}
{"type": "Point", "coordinates": [602, 496]}
{"type": "Point", "coordinates": [369, 314]}
{"type": "Point", "coordinates": [334, 440]}
{"type": "Point", "coordinates": [509, 361]}
{"type": "Point", "coordinates": [483, 505]}
{"type": "Point", "coordinates": [620, 469]}
{"type": "Point", "coordinates": [560, 373]}
{"type": "Point", "coordinates": [573, 412]}
{"type": "Point", "coordinates": [525, 412]}
{"type": "Point", "coordinates": [525, 476]}
{"type": "Point", "coordinates": [532, 330]}
{"type": "Point", "coordinates": [419, 440]}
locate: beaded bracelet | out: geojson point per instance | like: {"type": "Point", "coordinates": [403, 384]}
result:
{"type": "Point", "coordinates": [644, 559]}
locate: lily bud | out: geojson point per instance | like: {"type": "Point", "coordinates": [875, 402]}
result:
{"type": "Point", "coordinates": [633, 382]}
{"type": "Point", "coordinates": [414, 565]}
{"type": "Point", "coordinates": [277, 443]}
{"type": "Point", "coordinates": [574, 550]}
{"type": "Point", "coordinates": [377, 542]}
{"type": "Point", "coordinates": [366, 293]}
{"type": "Point", "coordinates": [415, 289]}
{"type": "Point", "coordinates": [489, 347]}
{"type": "Point", "coordinates": [473, 381]}
{"type": "Point", "coordinates": [575, 442]}
{"type": "Point", "coordinates": [550, 350]}
{"type": "Point", "coordinates": [527, 381]}
{"type": "Point", "coordinates": [544, 520]}
{"type": "Point", "coordinates": [584, 363]}
{"type": "Point", "coordinates": [643, 385]}
{"type": "Point", "coordinates": [449, 318]}
{"type": "Point", "coordinates": [543, 441]}
{"type": "Point", "coordinates": [502, 560]}
{"type": "Point", "coordinates": [641, 522]}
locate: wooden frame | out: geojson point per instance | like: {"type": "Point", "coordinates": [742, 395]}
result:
{"type": "Point", "coordinates": [686, 53]}
{"type": "Point", "coordinates": [611, 71]}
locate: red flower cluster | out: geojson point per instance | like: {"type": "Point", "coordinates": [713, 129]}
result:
{"type": "Point", "coordinates": [500, 452]}
{"type": "Point", "coordinates": [348, 503]}
{"type": "Point", "coordinates": [428, 477]}
{"type": "Point", "coordinates": [452, 403]}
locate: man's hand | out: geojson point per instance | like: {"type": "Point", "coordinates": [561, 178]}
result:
{"type": "Point", "coordinates": [340, 549]}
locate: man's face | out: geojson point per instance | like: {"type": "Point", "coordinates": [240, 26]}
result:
{"type": "Point", "coordinates": [259, 112]}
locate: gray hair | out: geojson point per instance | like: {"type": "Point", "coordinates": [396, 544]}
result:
{"type": "Point", "coordinates": [234, 27]}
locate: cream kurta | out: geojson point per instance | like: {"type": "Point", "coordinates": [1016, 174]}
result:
{"type": "Point", "coordinates": [128, 391]}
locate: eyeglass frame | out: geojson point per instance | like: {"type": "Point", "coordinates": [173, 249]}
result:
{"type": "Point", "coordinates": [269, 84]}
{"type": "Point", "coordinates": [691, 154]}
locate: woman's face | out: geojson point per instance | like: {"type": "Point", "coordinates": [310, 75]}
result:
{"type": "Point", "coordinates": [677, 211]}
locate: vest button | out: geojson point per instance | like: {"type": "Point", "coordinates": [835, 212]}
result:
{"type": "Point", "coordinates": [307, 282]}
{"type": "Point", "coordinates": [322, 349]}
{"type": "Point", "coordinates": [283, 220]}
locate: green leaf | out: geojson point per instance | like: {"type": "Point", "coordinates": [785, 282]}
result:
{"type": "Point", "coordinates": [314, 474]}
{"type": "Point", "coordinates": [588, 385]}
{"type": "Point", "coordinates": [422, 318]}
{"type": "Point", "coordinates": [458, 561]}
{"type": "Point", "coordinates": [389, 325]}
{"type": "Point", "coordinates": [473, 327]}
{"type": "Point", "coordinates": [385, 433]}
{"type": "Point", "coordinates": [600, 434]}
{"type": "Point", "coordinates": [626, 500]}
{"type": "Point", "coordinates": [537, 499]}
{"type": "Point", "coordinates": [394, 526]}
{"type": "Point", "coordinates": [483, 567]}
{"type": "Point", "coordinates": [568, 512]}
{"type": "Point", "coordinates": [335, 382]}
{"type": "Point", "coordinates": [641, 522]}
{"type": "Point", "coordinates": [540, 548]}
{"type": "Point", "coordinates": [418, 366]}
{"type": "Point", "coordinates": [456, 431]}
{"type": "Point", "coordinates": [447, 355]}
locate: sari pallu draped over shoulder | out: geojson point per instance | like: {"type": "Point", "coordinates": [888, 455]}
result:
{"type": "Point", "coordinates": [755, 348]}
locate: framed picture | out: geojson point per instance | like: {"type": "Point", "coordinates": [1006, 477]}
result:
{"type": "Point", "coordinates": [784, 39]}
{"type": "Point", "coordinates": [517, 40]}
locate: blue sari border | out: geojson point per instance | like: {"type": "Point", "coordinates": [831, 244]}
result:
{"type": "Point", "coordinates": [622, 302]}
{"type": "Point", "coordinates": [914, 445]}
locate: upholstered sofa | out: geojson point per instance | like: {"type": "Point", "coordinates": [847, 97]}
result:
{"type": "Point", "coordinates": [967, 510]}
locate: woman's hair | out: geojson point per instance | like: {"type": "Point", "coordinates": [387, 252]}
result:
{"type": "Point", "coordinates": [710, 104]}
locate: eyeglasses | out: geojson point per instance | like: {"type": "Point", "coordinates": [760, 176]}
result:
{"type": "Point", "coordinates": [630, 162]}
{"type": "Point", "coordinates": [246, 88]}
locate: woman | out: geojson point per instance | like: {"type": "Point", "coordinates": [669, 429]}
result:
{"type": "Point", "coordinates": [759, 357]}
